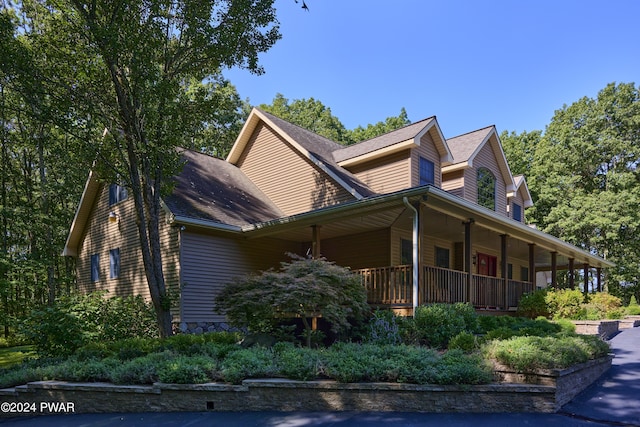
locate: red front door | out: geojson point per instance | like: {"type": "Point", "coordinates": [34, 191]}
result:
{"type": "Point", "coordinates": [487, 265]}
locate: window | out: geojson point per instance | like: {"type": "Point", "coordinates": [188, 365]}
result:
{"type": "Point", "coordinates": [427, 172]}
{"type": "Point", "coordinates": [95, 267]}
{"type": "Point", "coordinates": [114, 263]}
{"type": "Point", "coordinates": [406, 252]}
{"type": "Point", "coordinates": [442, 257]}
{"type": "Point", "coordinates": [524, 274]}
{"type": "Point", "coordinates": [517, 212]}
{"type": "Point", "coordinates": [486, 189]}
{"type": "Point", "coordinates": [510, 271]}
{"type": "Point", "coordinates": [117, 194]}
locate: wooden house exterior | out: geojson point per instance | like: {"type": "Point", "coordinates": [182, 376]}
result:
{"type": "Point", "coordinates": [402, 210]}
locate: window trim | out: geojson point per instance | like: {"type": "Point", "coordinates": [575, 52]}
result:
{"type": "Point", "coordinates": [117, 194]}
{"type": "Point", "coordinates": [95, 268]}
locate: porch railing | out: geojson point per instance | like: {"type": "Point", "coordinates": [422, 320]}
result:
{"type": "Point", "coordinates": [393, 286]}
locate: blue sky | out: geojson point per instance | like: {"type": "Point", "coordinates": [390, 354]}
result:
{"type": "Point", "coordinates": [471, 63]}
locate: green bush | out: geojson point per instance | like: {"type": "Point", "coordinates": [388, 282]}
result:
{"type": "Point", "coordinates": [457, 367]}
{"type": "Point", "coordinates": [188, 370]}
{"type": "Point", "coordinates": [76, 320]}
{"type": "Point", "coordinates": [302, 364]}
{"type": "Point", "coordinates": [632, 310]}
{"type": "Point", "coordinates": [254, 362]}
{"type": "Point", "coordinates": [529, 353]}
{"type": "Point", "coordinates": [436, 324]}
{"type": "Point", "coordinates": [464, 341]}
{"type": "Point", "coordinates": [566, 303]}
{"type": "Point", "coordinates": [141, 370]}
{"type": "Point", "coordinates": [533, 305]}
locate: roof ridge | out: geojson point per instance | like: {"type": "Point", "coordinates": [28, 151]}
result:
{"type": "Point", "coordinates": [472, 131]}
{"type": "Point", "coordinates": [395, 130]}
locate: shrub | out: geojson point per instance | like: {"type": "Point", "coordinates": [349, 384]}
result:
{"type": "Point", "coordinates": [303, 288]}
{"type": "Point", "coordinates": [533, 305]}
{"type": "Point", "coordinates": [254, 362]}
{"type": "Point", "coordinates": [565, 303]}
{"type": "Point", "coordinates": [464, 341]}
{"type": "Point", "coordinates": [297, 363]}
{"type": "Point", "coordinates": [436, 324]}
{"type": "Point", "coordinates": [141, 370]}
{"type": "Point", "coordinates": [383, 328]}
{"type": "Point", "coordinates": [457, 367]}
{"type": "Point", "coordinates": [187, 370]}
{"type": "Point", "coordinates": [530, 353]}
{"type": "Point", "coordinates": [73, 321]}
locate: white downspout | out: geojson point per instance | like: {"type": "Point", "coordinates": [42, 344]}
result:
{"type": "Point", "coordinates": [415, 252]}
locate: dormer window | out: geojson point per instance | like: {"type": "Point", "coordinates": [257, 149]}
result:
{"type": "Point", "coordinates": [486, 189]}
{"type": "Point", "coordinates": [427, 172]}
{"type": "Point", "coordinates": [117, 193]}
{"type": "Point", "coordinates": [517, 212]}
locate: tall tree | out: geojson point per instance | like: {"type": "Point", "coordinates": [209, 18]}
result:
{"type": "Point", "coordinates": [587, 180]}
{"type": "Point", "coordinates": [142, 71]}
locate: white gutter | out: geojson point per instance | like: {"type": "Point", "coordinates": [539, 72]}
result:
{"type": "Point", "coordinates": [415, 267]}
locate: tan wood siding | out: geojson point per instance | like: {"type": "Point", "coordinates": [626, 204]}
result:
{"type": "Point", "coordinates": [385, 175]}
{"type": "Point", "coordinates": [290, 180]}
{"type": "Point", "coordinates": [427, 150]}
{"type": "Point", "coordinates": [453, 182]}
{"type": "Point", "coordinates": [363, 250]}
{"type": "Point", "coordinates": [211, 261]}
{"type": "Point", "coordinates": [101, 236]}
{"type": "Point", "coordinates": [486, 159]}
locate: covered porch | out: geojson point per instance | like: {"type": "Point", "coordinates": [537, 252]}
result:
{"type": "Point", "coordinates": [424, 245]}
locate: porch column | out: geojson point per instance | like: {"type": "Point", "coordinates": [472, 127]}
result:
{"type": "Point", "coordinates": [572, 278]}
{"type": "Point", "coordinates": [416, 250]}
{"type": "Point", "coordinates": [315, 241]}
{"type": "Point", "coordinates": [599, 280]}
{"type": "Point", "coordinates": [586, 280]}
{"type": "Point", "coordinates": [532, 262]}
{"type": "Point", "coordinates": [554, 269]}
{"type": "Point", "coordinates": [467, 258]}
{"type": "Point", "coordinates": [503, 268]}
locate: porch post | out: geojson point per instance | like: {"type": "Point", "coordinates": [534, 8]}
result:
{"type": "Point", "coordinates": [599, 273]}
{"type": "Point", "coordinates": [416, 251]}
{"type": "Point", "coordinates": [503, 268]}
{"type": "Point", "coordinates": [467, 258]}
{"type": "Point", "coordinates": [554, 269]}
{"type": "Point", "coordinates": [315, 241]}
{"type": "Point", "coordinates": [572, 273]}
{"type": "Point", "coordinates": [586, 280]}
{"type": "Point", "coordinates": [532, 262]}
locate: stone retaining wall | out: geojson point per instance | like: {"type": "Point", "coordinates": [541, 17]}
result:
{"type": "Point", "coordinates": [605, 329]}
{"type": "Point", "coordinates": [551, 390]}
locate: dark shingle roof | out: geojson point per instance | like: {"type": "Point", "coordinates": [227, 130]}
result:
{"type": "Point", "coordinates": [215, 190]}
{"type": "Point", "coordinates": [464, 146]}
{"type": "Point", "coordinates": [382, 141]}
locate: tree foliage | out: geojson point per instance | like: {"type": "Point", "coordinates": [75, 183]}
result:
{"type": "Point", "coordinates": [135, 80]}
{"type": "Point", "coordinates": [304, 288]}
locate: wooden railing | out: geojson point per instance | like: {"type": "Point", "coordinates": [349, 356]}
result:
{"type": "Point", "coordinates": [388, 285]}
{"type": "Point", "coordinates": [393, 286]}
{"type": "Point", "coordinates": [442, 285]}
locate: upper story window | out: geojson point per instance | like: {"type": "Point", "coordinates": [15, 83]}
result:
{"type": "Point", "coordinates": [114, 263]}
{"type": "Point", "coordinates": [517, 212]}
{"type": "Point", "coordinates": [486, 189]}
{"type": "Point", "coordinates": [427, 172]}
{"type": "Point", "coordinates": [117, 193]}
{"type": "Point", "coordinates": [95, 267]}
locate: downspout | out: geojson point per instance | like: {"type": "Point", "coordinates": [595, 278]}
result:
{"type": "Point", "coordinates": [415, 252]}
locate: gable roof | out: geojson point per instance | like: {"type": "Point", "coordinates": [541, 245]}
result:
{"type": "Point", "coordinates": [394, 141]}
{"type": "Point", "coordinates": [467, 146]}
{"type": "Point", "coordinates": [314, 147]}
{"type": "Point", "coordinates": [521, 185]}
{"type": "Point", "coordinates": [208, 191]}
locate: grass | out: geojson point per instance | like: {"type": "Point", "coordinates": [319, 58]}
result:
{"type": "Point", "coordinates": [11, 356]}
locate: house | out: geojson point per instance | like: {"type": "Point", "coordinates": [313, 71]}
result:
{"type": "Point", "coordinates": [420, 217]}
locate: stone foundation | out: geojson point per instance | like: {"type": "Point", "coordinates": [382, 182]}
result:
{"type": "Point", "coordinates": [550, 390]}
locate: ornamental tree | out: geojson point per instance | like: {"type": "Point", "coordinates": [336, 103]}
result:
{"type": "Point", "coordinates": [303, 288]}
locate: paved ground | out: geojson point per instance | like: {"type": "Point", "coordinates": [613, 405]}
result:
{"type": "Point", "coordinates": [613, 400]}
